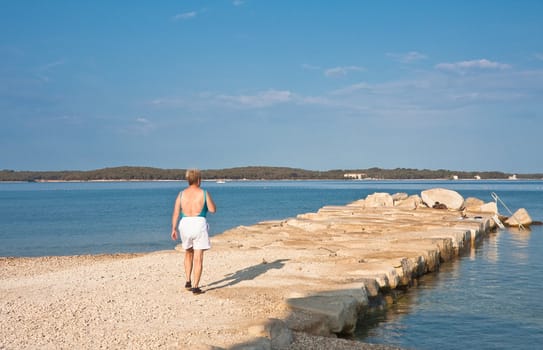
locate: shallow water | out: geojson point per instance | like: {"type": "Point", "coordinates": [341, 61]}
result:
{"type": "Point", "coordinates": [487, 299]}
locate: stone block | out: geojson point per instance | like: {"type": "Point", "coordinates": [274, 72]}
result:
{"type": "Point", "coordinates": [521, 216]}
{"type": "Point", "coordinates": [306, 225]}
{"type": "Point", "coordinates": [275, 330]}
{"type": "Point", "coordinates": [473, 202]}
{"type": "Point", "coordinates": [358, 292]}
{"type": "Point", "coordinates": [372, 287]}
{"type": "Point", "coordinates": [336, 314]}
{"type": "Point", "coordinates": [399, 196]}
{"type": "Point", "coordinates": [411, 202]}
{"type": "Point", "coordinates": [452, 199]}
{"type": "Point", "coordinates": [377, 200]}
{"type": "Point", "coordinates": [489, 207]}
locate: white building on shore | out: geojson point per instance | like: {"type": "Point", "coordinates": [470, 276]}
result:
{"type": "Point", "coordinates": [355, 176]}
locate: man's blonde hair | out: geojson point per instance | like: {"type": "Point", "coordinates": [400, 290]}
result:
{"type": "Point", "coordinates": [193, 176]}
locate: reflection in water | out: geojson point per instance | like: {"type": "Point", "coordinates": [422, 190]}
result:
{"type": "Point", "coordinates": [382, 316]}
{"type": "Point", "coordinates": [387, 319]}
{"type": "Point", "coordinates": [520, 240]}
{"type": "Point", "coordinates": [491, 253]}
{"type": "Point", "coordinates": [488, 299]}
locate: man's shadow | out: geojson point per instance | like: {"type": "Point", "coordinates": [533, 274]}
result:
{"type": "Point", "coordinates": [246, 274]}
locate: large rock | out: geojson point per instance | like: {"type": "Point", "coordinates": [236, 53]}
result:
{"type": "Point", "coordinates": [476, 205]}
{"type": "Point", "coordinates": [490, 207]}
{"type": "Point", "coordinates": [379, 200]}
{"type": "Point", "coordinates": [521, 216]}
{"type": "Point", "coordinates": [399, 196]}
{"type": "Point", "coordinates": [472, 202]}
{"type": "Point", "coordinates": [411, 202]}
{"type": "Point", "coordinates": [275, 330]}
{"type": "Point", "coordinates": [452, 199]}
{"type": "Point", "coordinates": [325, 315]}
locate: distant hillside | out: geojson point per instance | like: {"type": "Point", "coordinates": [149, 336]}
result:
{"type": "Point", "coordinates": [249, 173]}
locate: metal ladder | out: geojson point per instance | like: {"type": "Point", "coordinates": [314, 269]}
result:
{"type": "Point", "coordinates": [498, 199]}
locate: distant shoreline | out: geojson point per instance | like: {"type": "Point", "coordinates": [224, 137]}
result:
{"type": "Point", "coordinates": [127, 173]}
{"type": "Point", "coordinates": [265, 180]}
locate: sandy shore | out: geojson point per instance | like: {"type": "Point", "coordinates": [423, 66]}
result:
{"type": "Point", "coordinates": [137, 301]}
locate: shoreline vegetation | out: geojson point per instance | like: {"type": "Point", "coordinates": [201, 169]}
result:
{"type": "Point", "coordinates": [134, 173]}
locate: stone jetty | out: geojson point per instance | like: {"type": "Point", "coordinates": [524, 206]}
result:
{"type": "Point", "coordinates": [343, 257]}
{"type": "Point", "coordinates": [296, 283]}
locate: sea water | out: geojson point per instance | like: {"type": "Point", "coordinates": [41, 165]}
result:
{"type": "Point", "coordinates": [486, 299]}
{"type": "Point", "coordinates": [39, 219]}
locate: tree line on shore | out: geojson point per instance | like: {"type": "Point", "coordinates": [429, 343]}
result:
{"type": "Point", "coordinates": [249, 173]}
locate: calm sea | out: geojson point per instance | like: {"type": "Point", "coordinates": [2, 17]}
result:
{"type": "Point", "coordinates": [487, 299]}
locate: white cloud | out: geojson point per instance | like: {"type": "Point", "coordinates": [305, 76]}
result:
{"type": "Point", "coordinates": [306, 66]}
{"type": "Point", "coordinates": [50, 65]}
{"type": "Point", "coordinates": [408, 57]}
{"type": "Point", "coordinates": [259, 100]}
{"type": "Point", "coordinates": [185, 15]}
{"type": "Point", "coordinates": [44, 71]}
{"type": "Point", "coordinates": [427, 92]}
{"type": "Point", "coordinates": [351, 88]}
{"type": "Point", "coordinates": [168, 102]}
{"type": "Point", "coordinates": [141, 126]}
{"type": "Point", "coordinates": [315, 100]}
{"type": "Point", "coordinates": [341, 71]}
{"type": "Point", "coordinates": [483, 97]}
{"type": "Point", "coordinates": [238, 2]}
{"type": "Point", "coordinates": [471, 65]}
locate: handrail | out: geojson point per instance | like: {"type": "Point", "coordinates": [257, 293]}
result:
{"type": "Point", "coordinates": [497, 198]}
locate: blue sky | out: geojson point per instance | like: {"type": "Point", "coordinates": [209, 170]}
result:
{"type": "Point", "coordinates": [309, 84]}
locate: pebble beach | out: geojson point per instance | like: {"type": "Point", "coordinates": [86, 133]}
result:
{"type": "Point", "coordinates": [264, 284]}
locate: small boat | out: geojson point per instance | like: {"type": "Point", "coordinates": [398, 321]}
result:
{"type": "Point", "coordinates": [221, 181]}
